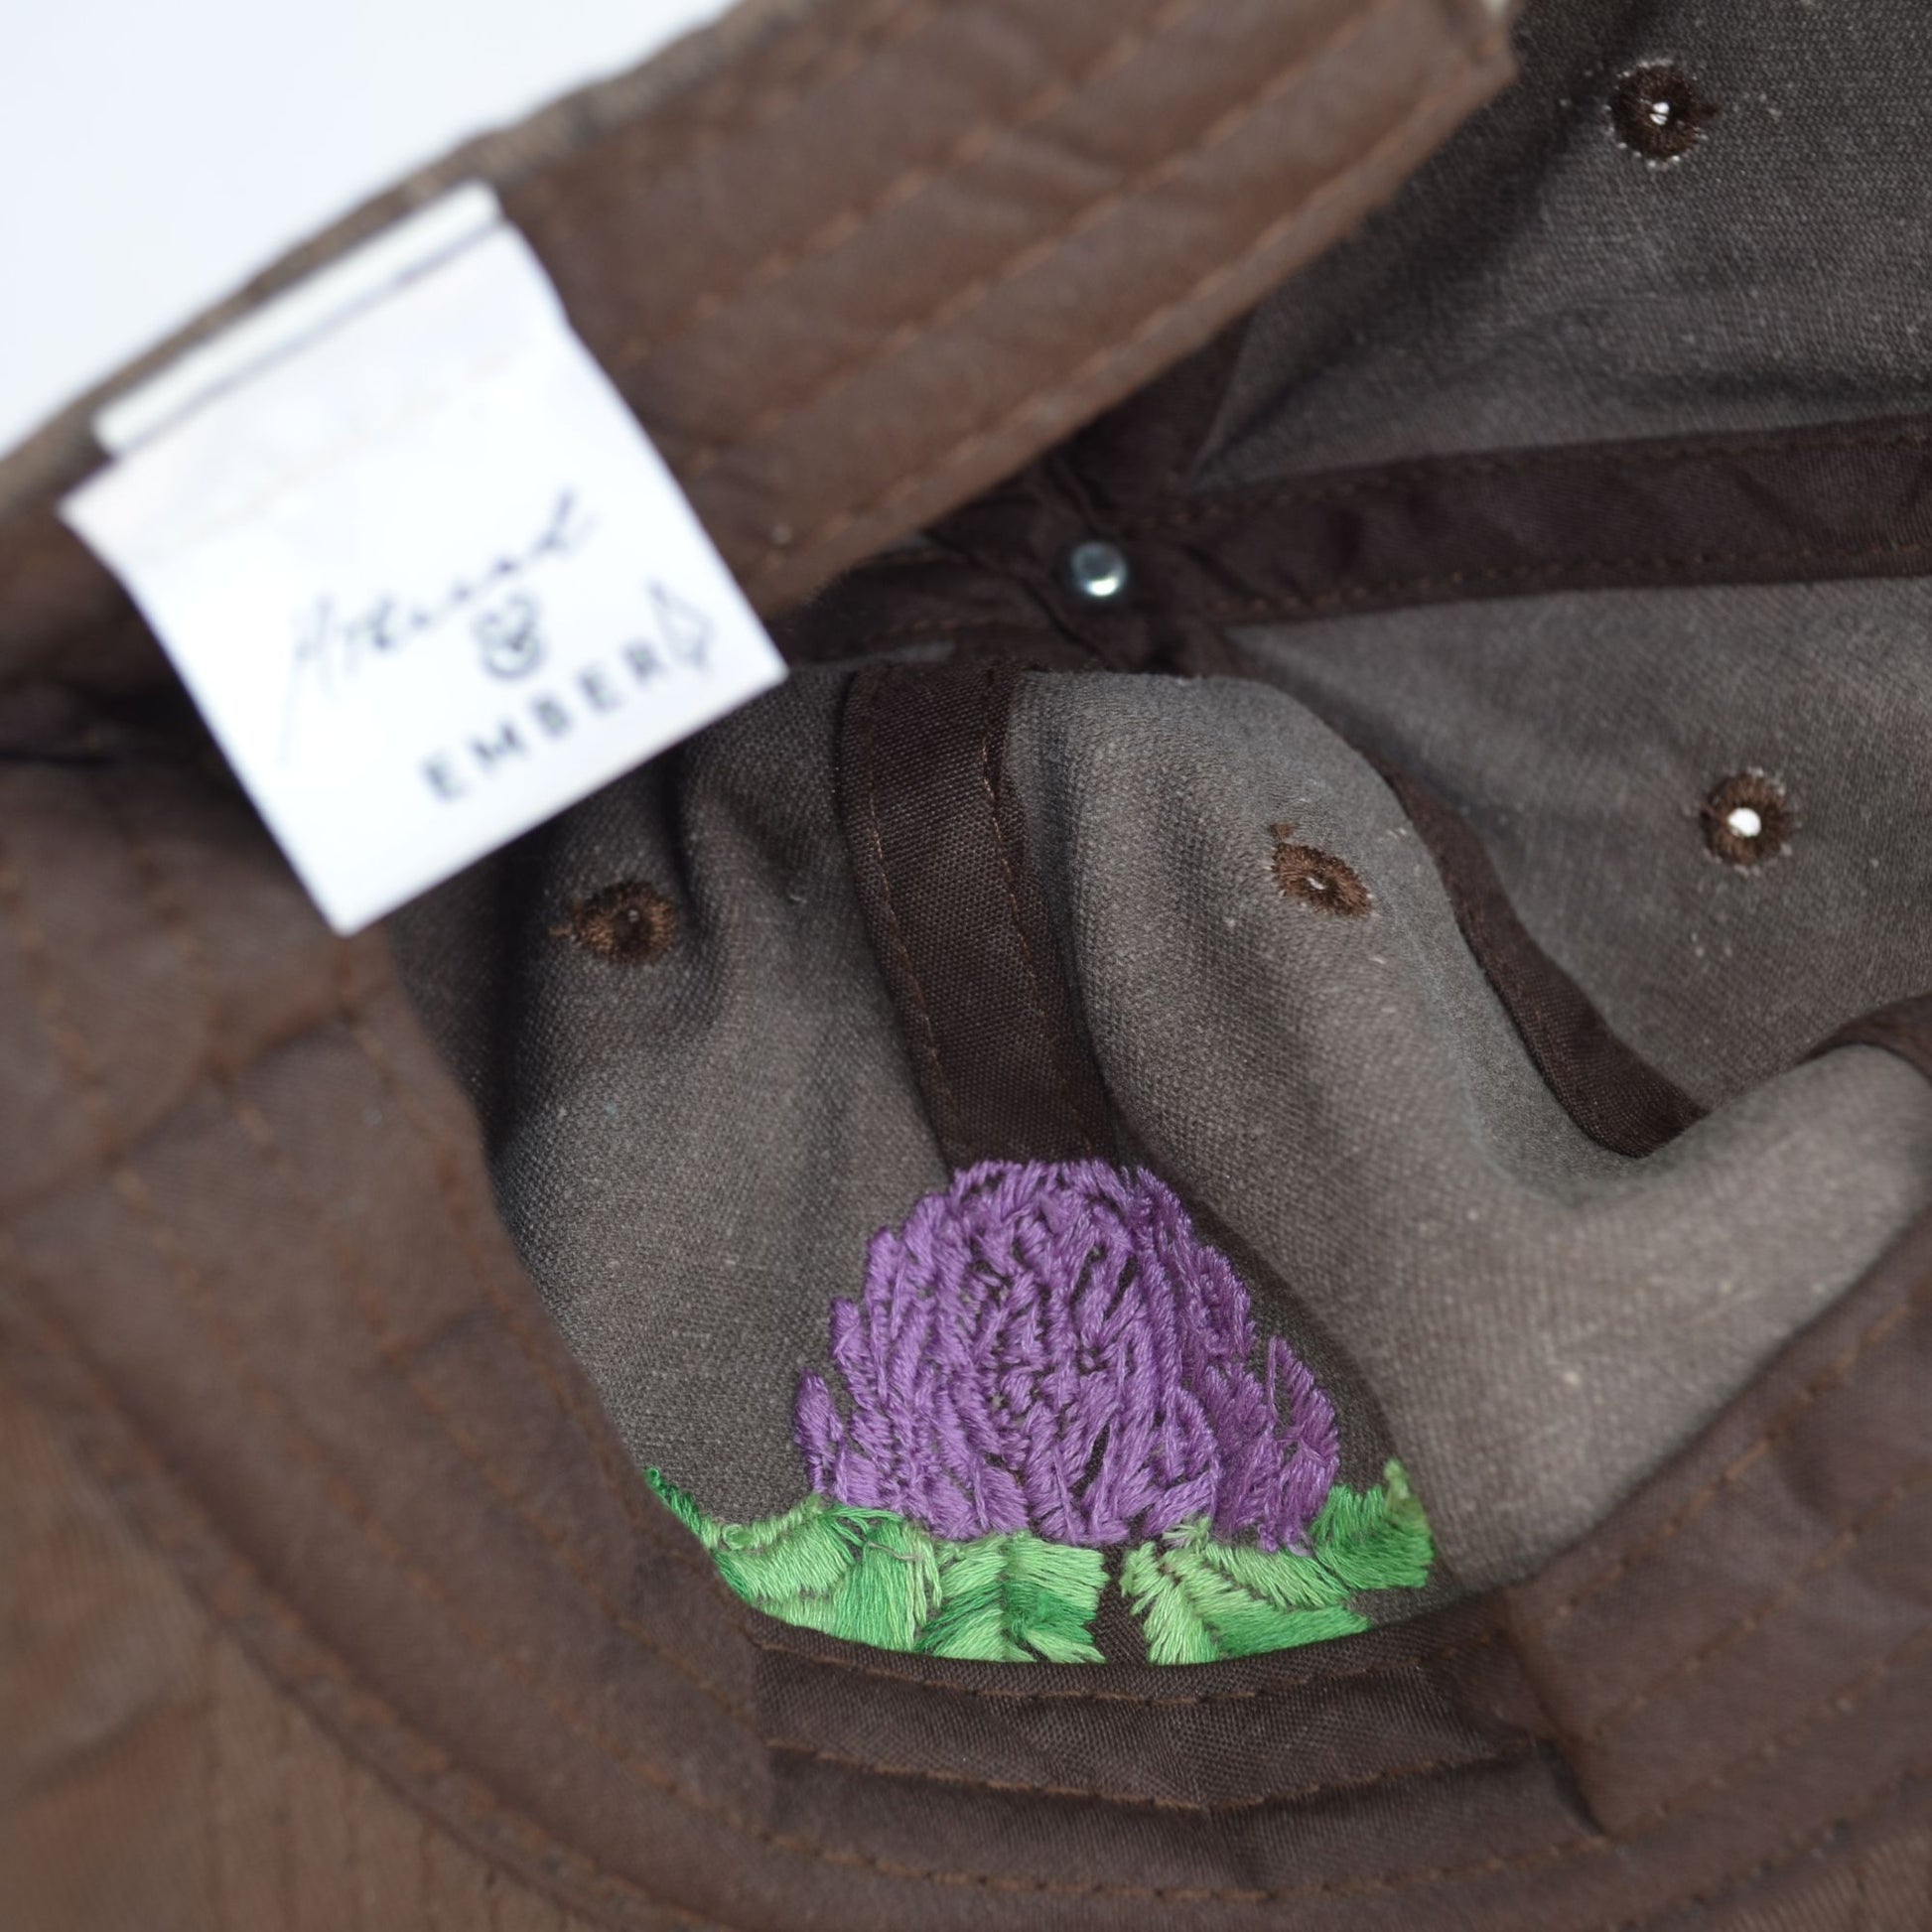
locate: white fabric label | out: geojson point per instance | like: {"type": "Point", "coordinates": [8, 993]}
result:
{"type": "Point", "coordinates": [424, 575]}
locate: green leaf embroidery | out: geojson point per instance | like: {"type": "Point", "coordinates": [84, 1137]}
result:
{"type": "Point", "coordinates": [1199, 1600]}
{"type": "Point", "coordinates": [861, 1574]}
{"type": "Point", "coordinates": [872, 1577]}
{"type": "Point", "coordinates": [1016, 1600]}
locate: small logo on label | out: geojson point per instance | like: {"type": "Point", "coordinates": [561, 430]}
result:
{"type": "Point", "coordinates": [509, 638]}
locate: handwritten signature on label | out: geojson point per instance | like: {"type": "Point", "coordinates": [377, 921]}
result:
{"type": "Point", "coordinates": [332, 646]}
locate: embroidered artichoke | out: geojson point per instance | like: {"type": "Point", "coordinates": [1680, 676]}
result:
{"type": "Point", "coordinates": [1054, 1348]}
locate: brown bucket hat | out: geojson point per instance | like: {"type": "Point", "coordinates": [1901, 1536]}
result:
{"type": "Point", "coordinates": [1228, 1225]}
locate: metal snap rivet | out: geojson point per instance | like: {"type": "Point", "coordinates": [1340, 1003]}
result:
{"type": "Point", "coordinates": [1097, 569]}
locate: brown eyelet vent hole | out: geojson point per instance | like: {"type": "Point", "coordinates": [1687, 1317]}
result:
{"type": "Point", "coordinates": [1318, 879]}
{"type": "Point", "coordinates": [1746, 820]}
{"type": "Point", "coordinates": [1658, 111]}
{"type": "Point", "coordinates": [628, 923]}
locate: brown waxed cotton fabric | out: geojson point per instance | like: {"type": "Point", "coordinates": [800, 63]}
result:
{"type": "Point", "coordinates": [890, 189]}
{"type": "Point", "coordinates": [331, 1592]}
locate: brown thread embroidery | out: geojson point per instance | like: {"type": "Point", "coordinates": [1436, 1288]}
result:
{"type": "Point", "coordinates": [1053, 398]}
{"type": "Point", "coordinates": [1659, 113]}
{"type": "Point", "coordinates": [628, 923]}
{"type": "Point", "coordinates": [1318, 879]}
{"type": "Point", "coordinates": [1746, 820]}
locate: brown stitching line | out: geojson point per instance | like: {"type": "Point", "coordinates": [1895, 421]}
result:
{"type": "Point", "coordinates": [907, 187]}
{"type": "Point", "coordinates": [738, 106]}
{"type": "Point", "coordinates": [961, 302]}
{"type": "Point", "coordinates": [1034, 988]}
{"type": "Point", "coordinates": [350, 1797]}
{"type": "Point", "coordinates": [198, 1294]}
{"type": "Point", "coordinates": [242, 1594]}
{"type": "Point", "coordinates": [1842, 1701]}
{"type": "Point", "coordinates": [1175, 1701]}
{"type": "Point", "coordinates": [1248, 609]}
{"type": "Point", "coordinates": [1798, 1846]}
{"type": "Point", "coordinates": [1042, 400]}
{"type": "Point", "coordinates": [263, 1138]}
{"type": "Point", "coordinates": [619, 1479]}
{"type": "Point", "coordinates": [210, 1767]}
{"type": "Point", "coordinates": [1401, 475]}
{"type": "Point", "coordinates": [870, 737]}
{"type": "Point", "coordinates": [1773, 1433]}
{"type": "Point", "coordinates": [430, 1912]}
{"type": "Point", "coordinates": [1834, 1553]}
{"type": "Point", "coordinates": [1152, 1801]}
{"type": "Point", "coordinates": [284, 1811]}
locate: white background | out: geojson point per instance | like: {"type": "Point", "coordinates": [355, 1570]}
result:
{"type": "Point", "coordinates": [155, 154]}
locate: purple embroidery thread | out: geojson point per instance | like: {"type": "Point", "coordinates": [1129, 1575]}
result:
{"type": "Point", "coordinates": [1051, 1346]}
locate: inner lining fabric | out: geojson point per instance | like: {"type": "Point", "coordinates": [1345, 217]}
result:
{"type": "Point", "coordinates": [695, 1141]}
{"type": "Point", "coordinates": [1540, 282]}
